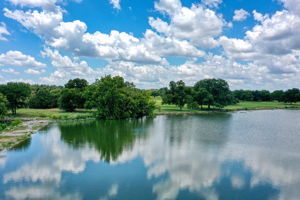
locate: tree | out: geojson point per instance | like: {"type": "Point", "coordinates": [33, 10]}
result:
{"type": "Point", "coordinates": [3, 105]}
{"type": "Point", "coordinates": [177, 94]}
{"type": "Point", "coordinates": [77, 83]}
{"type": "Point", "coordinates": [42, 98]}
{"type": "Point", "coordinates": [16, 94]}
{"type": "Point", "coordinates": [243, 95]}
{"type": "Point", "coordinates": [203, 97]}
{"type": "Point", "coordinates": [292, 95]}
{"type": "Point", "coordinates": [219, 91]}
{"type": "Point", "coordinates": [68, 100]}
{"type": "Point", "coordinates": [116, 99]}
{"type": "Point", "coordinates": [277, 95]}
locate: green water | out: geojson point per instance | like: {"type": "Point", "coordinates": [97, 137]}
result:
{"type": "Point", "coordinates": [239, 156]}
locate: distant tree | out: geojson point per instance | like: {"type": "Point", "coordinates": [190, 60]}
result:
{"type": "Point", "coordinates": [219, 91]}
{"type": "Point", "coordinates": [3, 105]}
{"type": "Point", "coordinates": [68, 100]}
{"type": "Point", "coordinates": [262, 95]}
{"type": "Point", "coordinates": [77, 83]}
{"type": "Point", "coordinates": [277, 95]}
{"type": "Point", "coordinates": [291, 95]}
{"type": "Point", "coordinates": [243, 95]}
{"type": "Point", "coordinates": [42, 98]}
{"type": "Point", "coordinates": [116, 99]}
{"type": "Point", "coordinates": [177, 94]}
{"type": "Point", "coordinates": [16, 94]}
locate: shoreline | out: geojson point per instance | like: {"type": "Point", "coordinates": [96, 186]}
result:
{"type": "Point", "coordinates": [18, 134]}
{"type": "Point", "coordinates": [31, 125]}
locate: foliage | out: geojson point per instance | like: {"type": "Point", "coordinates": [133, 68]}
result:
{"type": "Point", "coordinates": [116, 99]}
{"type": "Point", "coordinates": [16, 94]}
{"type": "Point", "coordinates": [79, 85]}
{"type": "Point", "coordinates": [217, 92]}
{"type": "Point", "coordinates": [43, 98]}
{"type": "Point", "coordinates": [3, 105]}
{"type": "Point", "coordinates": [68, 99]}
{"type": "Point", "coordinates": [177, 94]}
{"type": "Point", "coordinates": [291, 95]}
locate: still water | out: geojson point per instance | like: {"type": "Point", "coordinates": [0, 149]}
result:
{"type": "Point", "coordinates": [242, 155]}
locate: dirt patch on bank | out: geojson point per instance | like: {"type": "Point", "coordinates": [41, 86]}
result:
{"type": "Point", "coordinates": [14, 136]}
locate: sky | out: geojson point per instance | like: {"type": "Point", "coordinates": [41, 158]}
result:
{"type": "Point", "coordinates": [250, 44]}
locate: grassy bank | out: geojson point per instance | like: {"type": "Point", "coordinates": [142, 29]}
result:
{"type": "Point", "coordinates": [172, 109]}
{"type": "Point", "coordinates": [55, 113]}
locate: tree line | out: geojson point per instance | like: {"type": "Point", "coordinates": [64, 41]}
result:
{"type": "Point", "coordinates": [114, 98]}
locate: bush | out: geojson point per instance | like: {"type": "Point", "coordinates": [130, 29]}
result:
{"type": "Point", "coordinates": [16, 122]}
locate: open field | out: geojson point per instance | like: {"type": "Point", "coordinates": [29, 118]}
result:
{"type": "Point", "coordinates": [245, 105]}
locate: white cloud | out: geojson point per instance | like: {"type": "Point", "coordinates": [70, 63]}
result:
{"type": "Point", "coordinates": [3, 31]}
{"type": "Point", "coordinates": [18, 59]}
{"type": "Point", "coordinates": [116, 4]}
{"type": "Point", "coordinates": [10, 70]}
{"type": "Point", "coordinates": [34, 72]}
{"type": "Point", "coordinates": [41, 23]}
{"type": "Point", "coordinates": [197, 24]}
{"type": "Point", "coordinates": [292, 5]}
{"type": "Point", "coordinates": [212, 3]}
{"type": "Point", "coordinates": [35, 3]}
{"type": "Point", "coordinates": [240, 15]}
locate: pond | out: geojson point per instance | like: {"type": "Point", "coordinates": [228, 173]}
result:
{"type": "Point", "coordinates": [227, 156]}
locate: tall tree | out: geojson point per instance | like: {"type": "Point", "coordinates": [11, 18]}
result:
{"type": "Point", "coordinates": [219, 89]}
{"type": "Point", "coordinates": [79, 85]}
{"type": "Point", "coordinates": [68, 100]}
{"type": "Point", "coordinates": [177, 94]}
{"type": "Point", "coordinates": [117, 99]}
{"type": "Point", "coordinates": [16, 94]}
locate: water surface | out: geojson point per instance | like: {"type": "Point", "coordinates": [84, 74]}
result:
{"type": "Point", "coordinates": [242, 155]}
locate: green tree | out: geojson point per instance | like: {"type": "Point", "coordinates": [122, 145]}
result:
{"type": "Point", "coordinates": [3, 105]}
{"type": "Point", "coordinates": [42, 98]}
{"type": "Point", "coordinates": [177, 94]}
{"type": "Point", "coordinates": [77, 83]}
{"type": "Point", "coordinates": [291, 95]}
{"type": "Point", "coordinates": [219, 91]}
{"type": "Point", "coordinates": [68, 100]}
{"type": "Point", "coordinates": [277, 95]}
{"type": "Point", "coordinates": [202, 97]}
{"type": "Point", "coordinates": [117, 99]}
{"type": "Point", "coordinates": [16, 94]}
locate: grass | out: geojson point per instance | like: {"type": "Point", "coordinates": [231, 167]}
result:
{"type": "Point", "coordinates": [245, 105]}
{"type": "Point", "coordinates": [55, 113]}
{"type": "Point", "coordinates": [160, 109]}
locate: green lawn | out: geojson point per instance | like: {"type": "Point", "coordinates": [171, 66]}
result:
{"type": "Point", "coordinates": [55, 113]}
{"type": "Point", "coordinates": [160, 109]}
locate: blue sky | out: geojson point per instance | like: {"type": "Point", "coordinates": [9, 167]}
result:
{"type": "Point", "coordinates": [251, 44]}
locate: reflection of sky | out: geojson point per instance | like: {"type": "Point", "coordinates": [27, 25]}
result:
{"type": "Point", "coordinates": [211, 157]}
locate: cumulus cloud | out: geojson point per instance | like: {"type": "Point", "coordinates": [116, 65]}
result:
{"type": "Point", "coordinates": [116, 4]}
{"type": "Point", "coordinates": [3, 31]}
{"type": "Point", "coordinates": [197, 24]}
{"type": "Point", "coordinates": [18, 59]}
{"type": "Point", "coordinates": [240, 15]}
{"type": "Point", "coordinates": [292, 5]}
